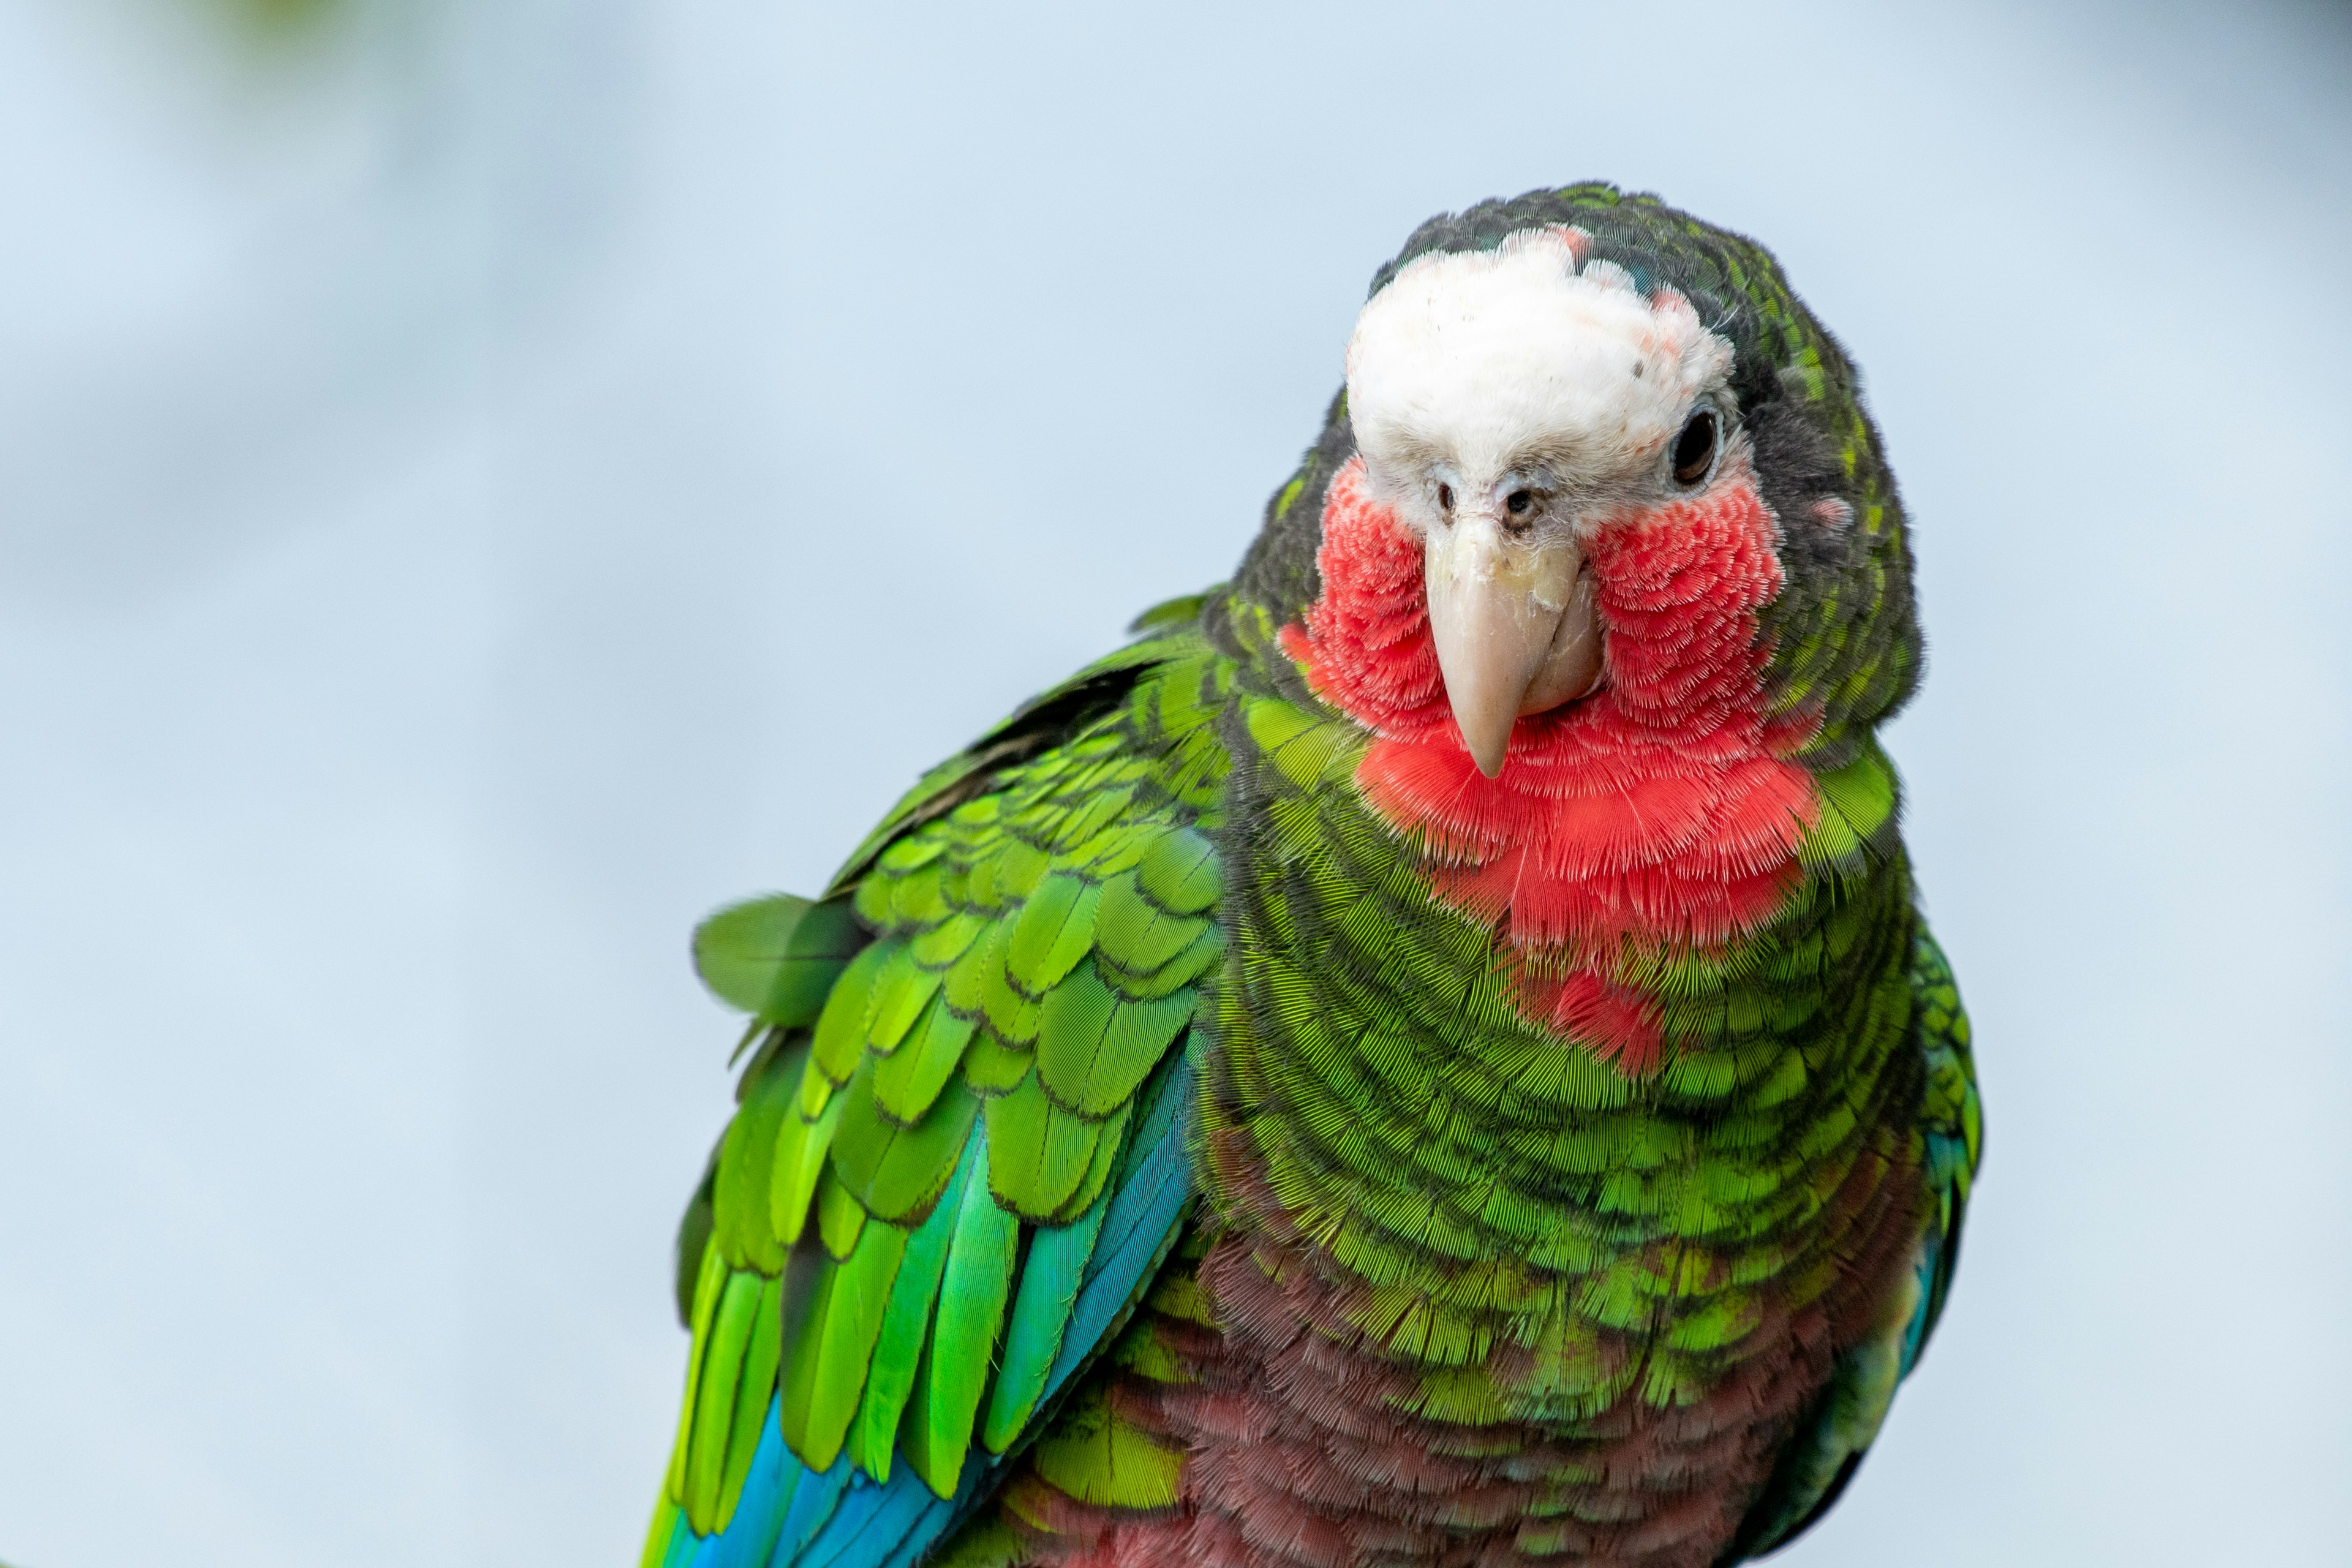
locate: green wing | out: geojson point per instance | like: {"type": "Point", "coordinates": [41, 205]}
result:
{"type": "Point", "coordinates": [958, 1051]}
{"type": "Point", "coordinates": [1818, 1465]}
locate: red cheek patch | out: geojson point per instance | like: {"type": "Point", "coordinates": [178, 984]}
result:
{"type": "Point", "coordinates": [1660, 810]}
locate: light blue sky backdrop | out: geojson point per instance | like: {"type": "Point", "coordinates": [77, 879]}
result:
{"type": "Point", "coordinates": [474, 500]}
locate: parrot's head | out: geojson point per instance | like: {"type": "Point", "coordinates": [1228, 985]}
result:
{"type": "Point", "coordinates": [1565, 415]}
{"type": "Point", "coordinates": [1509, 406]}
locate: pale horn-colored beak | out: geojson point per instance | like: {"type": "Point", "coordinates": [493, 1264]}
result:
{"type": "Point", "coordinates": [1516, 627]}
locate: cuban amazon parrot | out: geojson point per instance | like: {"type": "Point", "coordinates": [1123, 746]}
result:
{"type": "Point", "coordinates": [1429, 1054]}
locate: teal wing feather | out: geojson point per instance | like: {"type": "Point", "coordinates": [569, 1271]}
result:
{"type": "Point", "coordinates": [957, 1155]}
{"type": "Point", "coordinates": [1817, 1466]}
{"type": "Point", "coordinates": [1952, 1121]}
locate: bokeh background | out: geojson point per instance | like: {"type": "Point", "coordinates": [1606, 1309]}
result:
{"type": "Point", "coordinates": [481, 485]}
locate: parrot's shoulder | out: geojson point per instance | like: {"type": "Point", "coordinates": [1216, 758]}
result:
{"type": "Point", "coordinates": [1146, 712]}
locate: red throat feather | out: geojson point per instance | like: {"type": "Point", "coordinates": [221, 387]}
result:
{"type": "Point", "coordinates": [1661, 810]}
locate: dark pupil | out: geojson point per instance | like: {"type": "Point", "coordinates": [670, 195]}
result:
{"type": "Point", "coordinates": [1445, 497]}
{"type": "Point", "coordinates": [1695, 448]}
{"type": "Point", "coordinates": [1519, 501]}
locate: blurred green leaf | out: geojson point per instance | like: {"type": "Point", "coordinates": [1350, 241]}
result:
{"type": "Point", "coordinates": [268, 21]}
{"type": "Point", "coordinates": [282, 15]}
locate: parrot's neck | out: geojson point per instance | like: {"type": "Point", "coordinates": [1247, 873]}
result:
{"type": "Point", "coordinates": [1661, 812]}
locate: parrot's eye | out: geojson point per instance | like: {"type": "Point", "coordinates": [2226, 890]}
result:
{"type": "Point", "coordinates": [1694, 447]}
{"type": "Point", "coordinates": [1445, 497]}
{"type": "Point", "coordinates": [1518, 503]}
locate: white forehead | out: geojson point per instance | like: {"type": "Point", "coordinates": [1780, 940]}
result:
{"type": "Point", "coordinates": [1485, 361]}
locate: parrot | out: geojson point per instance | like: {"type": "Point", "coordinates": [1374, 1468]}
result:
{"type": "Point", "coordinates": [1427, 1054]}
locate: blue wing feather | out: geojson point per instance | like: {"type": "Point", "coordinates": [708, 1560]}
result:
{"type": "Point", "coordinates": [927, 1530]}
{"type": "Point", "coordinates": [768, 1493]}
{"type": "Point", "coordinates": [791, 1518]}
{"type": "Point", "coordinates": [750, 1538]}
{"type": "Point", "coordinates": [1143, 1220]}
{"type": "Point", "coordinates": [871, 1522]}
{"type": "Point", "coordinates": [813, 1504]}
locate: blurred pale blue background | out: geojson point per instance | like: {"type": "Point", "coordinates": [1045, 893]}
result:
{"type": "Point", "coordinates": [481, 485]}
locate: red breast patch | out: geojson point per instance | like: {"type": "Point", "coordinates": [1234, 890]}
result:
{"type": "Point", "coordinates": [1661, 809]}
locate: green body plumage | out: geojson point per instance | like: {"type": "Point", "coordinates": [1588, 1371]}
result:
{"type": "Point", "coordinates": [1186, 875]}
